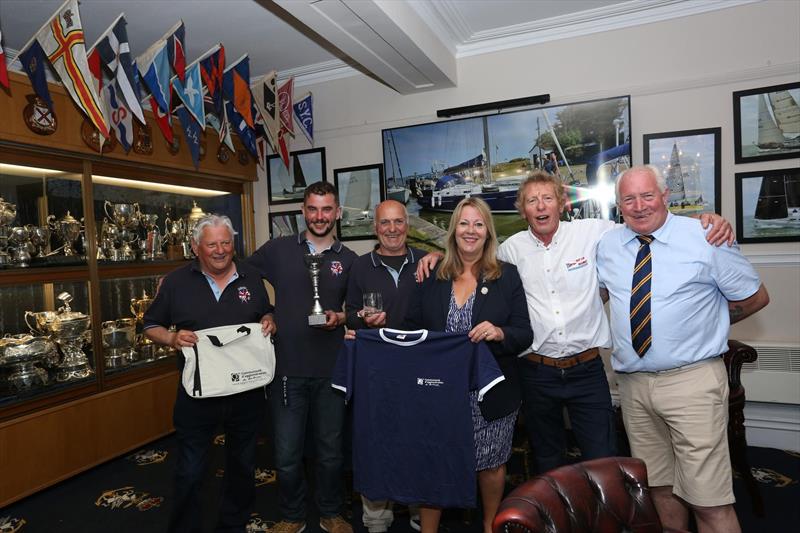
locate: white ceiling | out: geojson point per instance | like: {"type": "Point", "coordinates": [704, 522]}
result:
{"type": "Point", "coordinates": [409, 45]}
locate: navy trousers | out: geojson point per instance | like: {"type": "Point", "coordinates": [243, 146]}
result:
{"type": "Point", "coordinates": [583, 390]}
{"type": "Point", "coordinates": [294, 403]}
{"type": "Point", "coordinates": [241, 416]}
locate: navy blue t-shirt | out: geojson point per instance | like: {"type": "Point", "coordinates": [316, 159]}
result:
{"type": "Point", "coordinates": [412, 421]}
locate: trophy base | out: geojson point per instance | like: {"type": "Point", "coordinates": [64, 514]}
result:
{"type": "Point", "coordinates": [74, 372]}
{"type": "Point", "coordinates": [117, 358]}
{"type": "Point", "coordinates": [147, 352]}
{"type": "Point", "coordinates": [26, 376]}
{"type": "Point", "coordinates": [174, 252]}
{"type": "Point", "coordinates": [317, 320]}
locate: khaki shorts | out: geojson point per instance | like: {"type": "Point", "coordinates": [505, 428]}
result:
{"type": "Point", "coordinates": [677, 423]}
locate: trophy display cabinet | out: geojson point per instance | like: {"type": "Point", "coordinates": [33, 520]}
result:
{"type": "Point", "coordinates": [85, 238]}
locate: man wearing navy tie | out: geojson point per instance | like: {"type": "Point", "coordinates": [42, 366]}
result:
{"type": "Point", "coordinates": [672, 300]}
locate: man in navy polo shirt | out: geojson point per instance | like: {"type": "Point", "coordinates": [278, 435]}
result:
{"type": "Point", "coordinates": [214, 290]}
{"type": "Point", "coordinates": [301, 395]}
{"type": "Point", "coordinates": [389, 269]}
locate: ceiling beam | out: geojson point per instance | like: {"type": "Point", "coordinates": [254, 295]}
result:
{"type": "Point", "coordinates": [387, 38]}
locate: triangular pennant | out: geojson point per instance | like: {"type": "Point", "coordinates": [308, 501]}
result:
{"type": "Point", "coordinates": [154, 67]}
{"type": "Point", "coordinates": [236, 88]}
{"type": "Point", "coordinates": [191, 93]}
{"type": "Point", "coordinates": [191, 130]}
{"type": "Point", "coordinates": [285, 97]}
{"type": "Point", "coordinates": [304, 115]}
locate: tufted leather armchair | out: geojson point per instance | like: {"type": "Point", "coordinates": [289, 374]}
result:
{"type": "Point", "coordinates": [602, 495]}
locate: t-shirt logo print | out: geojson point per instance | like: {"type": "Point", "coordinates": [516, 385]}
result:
{"type": "Point", "coordinates": [234, 377]}
{"type": "Point", "coordinates": [244, 294]}
{"type": "Point", "coordinates": [336, 268]}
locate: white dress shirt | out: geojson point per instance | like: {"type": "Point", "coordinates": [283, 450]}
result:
{"type": "Point", "coordinates": [561, 286]}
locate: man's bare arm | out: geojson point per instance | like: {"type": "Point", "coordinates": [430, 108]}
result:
{"type": "Point", "coordinates": [739, 310]}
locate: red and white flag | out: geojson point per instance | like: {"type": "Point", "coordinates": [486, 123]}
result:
{"type": "Point", "coordinates": [62, 41]}
{"type": "Point", "coordinates": [283, 146]}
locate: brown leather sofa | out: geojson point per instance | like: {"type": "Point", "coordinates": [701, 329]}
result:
{"type": "Point", "coordinates": [603, 495]}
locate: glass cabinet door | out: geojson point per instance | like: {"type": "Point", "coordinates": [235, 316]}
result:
{"type": "Point", "coordinates": [124, 302]}
{"type": "Point", "coordinates": [46, 342]}
{"type": "Point", "coordinates": [41, 217]}
{"type": "Point", "coordinates": [148, 221]}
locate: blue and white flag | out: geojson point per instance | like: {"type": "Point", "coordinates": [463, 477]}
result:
{"type": "Point", "coordinates": [154, 67]}
{"type": "Point", "coordinates": [191, 130]}
{"type": "Point", "coordinates": [304, 116]}
{"type": "Point", "coordinates": [34, 62]}
{"type": "Point", "coordinates": [191, 93]}
{"type": "Point", "coordinates": [246, 134]}
{"type": "Point", "coordinates": [118, 116]}
{"type": "Point", "coordinates": [115, 53]}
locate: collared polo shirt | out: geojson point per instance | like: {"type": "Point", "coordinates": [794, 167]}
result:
{"type": "Point", "coordinates": [302, 350]}
{"type": "Point", "coordinates": [561, 287]}
{"type": "Point", "coordinates": [370, 274]}
{"type": "Point", "coordinates": [185, 299]}
{"type": "Point", "coordinates": [691, 285]}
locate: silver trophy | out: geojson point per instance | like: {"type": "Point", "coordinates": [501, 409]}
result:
{"type": "Point", "coordinates": [152, 247]}
{"type": "Point", "coordinates": [69, 330]}
{"type": "Point", "coordinates": [68, 229]}
{"type": "Point", "coordinates": [21, 354]}
{"type": "Point", "coordinates": [8, 212]}
{"type": "Point", "coordinates": [317, 316]}
{"type": "Point", "coordinates": [118, 342]}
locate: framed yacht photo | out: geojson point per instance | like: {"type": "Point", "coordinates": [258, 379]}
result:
{"type": "Point", "coordinates": [433, 166]}
{"type": "Point", "coordinates": [360, 190]}
{"type": "Point", "coordinates": [285, 223]}
{"type": "Point", "coordinates": [690, 162]}
{"type": "Point", "coordinates": [287, 186]}
{"type": "Point", "coordinates": [768, 206]}
{"type": "Point", "coordinates": [766, 123]}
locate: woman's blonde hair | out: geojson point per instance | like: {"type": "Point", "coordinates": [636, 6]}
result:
{"type": "Point", "coordinates": [488, 267]}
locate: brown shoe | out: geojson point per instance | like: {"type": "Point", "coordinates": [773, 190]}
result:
{"type": "Point", "coordinates": [335, 524]}
{"type": "Point", "coordinates": [285, 526]}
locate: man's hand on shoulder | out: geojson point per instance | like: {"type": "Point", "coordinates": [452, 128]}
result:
{"type": "Point", "coordinates": [721, 231]}
{"type": "Point", "coordinates": [426, 265]}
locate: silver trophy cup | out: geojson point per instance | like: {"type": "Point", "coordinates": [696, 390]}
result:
{"type": "Point", "coordinates": [314, 263]}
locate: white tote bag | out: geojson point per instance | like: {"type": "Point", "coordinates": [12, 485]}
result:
{"type": "Point", "coordinates": [227, 360]}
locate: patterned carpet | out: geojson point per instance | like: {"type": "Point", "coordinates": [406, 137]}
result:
{"type": "Point", "coordinates": [132, 494]}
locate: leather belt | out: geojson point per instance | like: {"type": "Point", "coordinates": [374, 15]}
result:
{"type": "Point", "coordinates": [564, 362]}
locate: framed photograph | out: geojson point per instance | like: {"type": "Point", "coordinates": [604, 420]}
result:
{"type": "Point", "coordinates": [433, 166]}
{"type": "Point", "coordinates": [690, 162]}
{"type": "Point", "coordinates": [286, 223]}
{"type": "Point", "coordinates": [287, 186]}
{"type": "Point", "coordinates": [360, 190]}
{"type": "Point", "coordinates": [768, 206]}
{"type": "Point", "coordinates": [766, 123]}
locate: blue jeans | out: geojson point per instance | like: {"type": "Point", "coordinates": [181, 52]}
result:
{"type": "Point", "coordinates": [241, 416]}
{"type": "Point", "coordinates": [583, 390]}
{"type": "Point", "coordinates": [296, 402]}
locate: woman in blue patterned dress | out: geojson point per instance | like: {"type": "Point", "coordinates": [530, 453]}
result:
{"type": "Point", "coordinates": [472, 292]}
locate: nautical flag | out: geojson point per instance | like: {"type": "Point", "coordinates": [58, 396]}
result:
{"type": "Point", "coordinates": [191, 130]}
{"type": "Point", "coordinates": [236, 88]}
{"type": "Point", "coordinates": [63, 44]}
{"type": "Point", "coordinates": [266, 97]}
{"type": "Point", "coordinates": [283, 146]}
{"type": "Point", "coordinates": [175, 50]}
{"type": "Point", "coordinates": [246, 133]}
{"type": "Point", "coordinates": [154, 67]}
{"type": "Point", "coordinates": [218, 124]}
{"type": "Point", "coordinates": [285, 97]}
{"type": "Point", "coordinates": [191, 93]}
{"type": "Point", "coordinates": [34, 63]}
{"type": "Point", "coordinates": [162, 121]}
{"type": "Point", "coordinates": [119, 116]}
{"type": "Point", "coordinates": [113, 48]}
{"type": "Point", "coordinates": [211, 68]}
{"type": "Point", "coordinates": [304, 115]}
{"type": "Point", "coordinates": [3, 68]}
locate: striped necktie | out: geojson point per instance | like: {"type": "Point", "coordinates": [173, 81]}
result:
{"type": "Point", "coordinates": [640, 297]}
